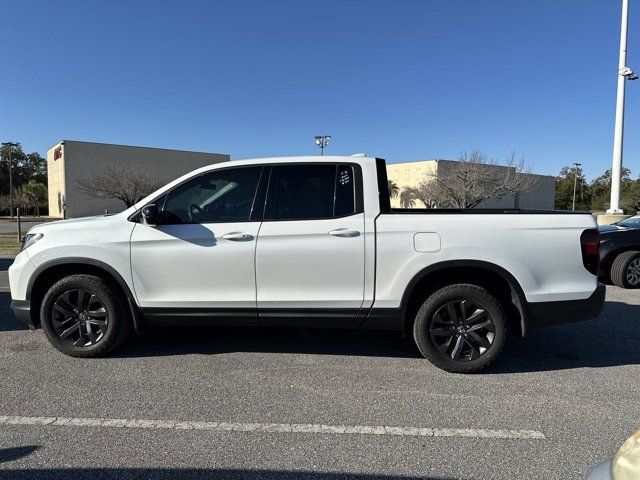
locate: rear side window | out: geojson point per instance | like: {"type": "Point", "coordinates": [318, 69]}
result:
{"type": "Point", "coordinates": [311, 192]}
{"type": "Point", "coordinates": [345, 191]}
{"type": "Point", "coordinates": [303, 191]}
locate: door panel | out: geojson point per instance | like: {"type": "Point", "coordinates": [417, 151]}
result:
{"type": "Point", "coordinates": [194, 266]}
{"type": "Point", "coordinates": [199, 260]}
{"type": "Point", "coordinates": [300, 265]}
{"type": "Point", "coordinates": [310, 249]}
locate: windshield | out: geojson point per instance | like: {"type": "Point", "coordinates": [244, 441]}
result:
{"type": "Point", "coordinates": [633, 222]}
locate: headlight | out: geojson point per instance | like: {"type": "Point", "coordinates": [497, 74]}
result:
{"type": "Point", "coordinates": [30, 239]}
{"type": "Point", "coordinates": [626, 462]}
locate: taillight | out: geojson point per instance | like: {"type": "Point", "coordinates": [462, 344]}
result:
{"type": "Point", "coordinates": [590, 244]}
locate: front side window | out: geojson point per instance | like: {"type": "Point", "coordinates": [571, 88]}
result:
{"type": "Point", "coordinates": [220, 196]}
{"type": "Point", "coordinates": [308, 192]}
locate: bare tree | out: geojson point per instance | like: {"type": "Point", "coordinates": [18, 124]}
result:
{"type": "Point", "coordinates": [473, 179]}
{"type": "Point", "coordinates": [518, 178]}
{"type": "Point", "coordinates": [126, 182]}
{"type": "Point", "coordinates": [427, 192]}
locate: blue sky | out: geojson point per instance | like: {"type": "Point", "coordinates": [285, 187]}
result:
{"type": "Point", "coordinates": [400, 79]}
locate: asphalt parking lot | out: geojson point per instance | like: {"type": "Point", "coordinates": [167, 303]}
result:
{"type": "Point", "coordinates": [297, 403]}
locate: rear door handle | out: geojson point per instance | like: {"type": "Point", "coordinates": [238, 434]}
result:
{"type": "Point", "coordinates": [344, 232]}
{"type": "Point", "coordinates": [238, 236]}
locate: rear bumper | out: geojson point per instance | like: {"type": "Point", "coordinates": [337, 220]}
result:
{"type": "Point", "coordinates": [22, 311]}
{"type": "Point", "coordinates": [542, 314]}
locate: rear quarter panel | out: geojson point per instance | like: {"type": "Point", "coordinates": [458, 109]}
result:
{"type": "Point", "coordinates": [542, 251]}
{"type": "Point", "coordinates": [614, 242]}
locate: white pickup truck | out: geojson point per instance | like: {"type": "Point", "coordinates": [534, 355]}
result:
{"type": "Point", "coordinates": [307, 241]}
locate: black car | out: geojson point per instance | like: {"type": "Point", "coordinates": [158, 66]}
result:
{"type": "Point", "coordinates": [620, 253]}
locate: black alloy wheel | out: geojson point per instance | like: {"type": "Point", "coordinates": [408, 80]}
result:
{"type": "Point", "coordinates": [85, 315]}
{"type": "Point", "coordinates": [462, 330]}
{"type": "Point", "coordinates": [80, 318]}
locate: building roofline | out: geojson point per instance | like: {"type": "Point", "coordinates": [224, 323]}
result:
{"type": "Point", "coordinates": [419, 161]}
{"type": "Point", "coordinates": [436, 160]}
{"type": "Point", "coordinates": [62, 142]}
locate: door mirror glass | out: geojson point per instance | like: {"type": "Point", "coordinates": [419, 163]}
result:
{"type": "Point", "coordinates": [150, 214]}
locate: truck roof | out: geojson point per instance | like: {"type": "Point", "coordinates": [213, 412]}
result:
{"type": "Point", "coordinates": [305, 158]}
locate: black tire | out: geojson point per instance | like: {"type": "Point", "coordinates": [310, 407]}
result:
{"type": "Point", "coordinates": [438, 331]}
{"type": "Point", "coordinates": [625, 270]}
{"type": "Point", "coordinates": [101, 316]}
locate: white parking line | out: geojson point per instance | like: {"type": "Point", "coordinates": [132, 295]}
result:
{"type": "Point", "coordinates": [272, 427]}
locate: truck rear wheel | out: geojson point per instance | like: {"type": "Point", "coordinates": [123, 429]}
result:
{"type": "Point", "coordinates": [460, 328]}
{"type": "Point", "coordinates": [625, 270]}
{"type": "Point", "coordinates": [84, 316]}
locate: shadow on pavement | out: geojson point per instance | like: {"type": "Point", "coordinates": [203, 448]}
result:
{"type": "Point", "coordinates": [612, 339]}
{"type": "Point", "coordinates": [5, 263]}
{"type": "Point", "coordinates": [9, 454]}
{"type": "Point", "coordinates": [8, 321]}
{"type": "Point", "coordinates": [191, 473]}
{"type": "Point", "coordinates": [161, 341]}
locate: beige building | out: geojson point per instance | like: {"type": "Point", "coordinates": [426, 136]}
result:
{"type": "Point", "coordinates": [70, 161]}
{"type": "Point", "coordinates": [411, 174]}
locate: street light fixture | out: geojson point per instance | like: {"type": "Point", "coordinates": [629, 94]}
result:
{"type": "Point", "coordinates": [630, 74]}
{"type": "Point", "coordinates": [624, 74]}
{"type": "Point", "coordinates": [575, 183]}
{"type": "Point", "coordinates": [322, 141]}
{"type": "Point", "coordinates": [10, 145]}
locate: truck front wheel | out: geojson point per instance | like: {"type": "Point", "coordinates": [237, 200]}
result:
{"type": "Point", "coordinates": [460, 328]}
{"type": "Point", "coordinates": [84, 316]}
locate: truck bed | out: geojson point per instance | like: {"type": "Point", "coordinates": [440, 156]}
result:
{"type": "Point", "coordinates": [483, 211]}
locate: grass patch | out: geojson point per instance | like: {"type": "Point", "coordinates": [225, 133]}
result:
{"type": "Point", "coordinates": [6, 244]}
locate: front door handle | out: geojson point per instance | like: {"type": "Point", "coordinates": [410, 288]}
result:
{"type": "Point", "coordinates": [238, 236]}
{"type": "Point", "coordinates": [344, 232]}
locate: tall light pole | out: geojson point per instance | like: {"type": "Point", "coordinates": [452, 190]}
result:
{"type": "Point", "coordinates": [10, 146]}
{"type": "Point", "coordinates": [322, 141]}
{"type": "Point", "coordinates": [575, 183]}
{"type": "Point", "coordinates": [624, 74]}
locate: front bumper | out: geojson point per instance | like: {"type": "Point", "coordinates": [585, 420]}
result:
{"type": "Point", "coordinates": [542, 314]}
{"type": "Point", "coordinates": [22, 311]}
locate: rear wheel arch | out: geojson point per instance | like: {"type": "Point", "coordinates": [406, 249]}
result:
{"type": "Point", "coordinates": [493, 278]}
{"type": "Point", "coordinates": [50, 272]}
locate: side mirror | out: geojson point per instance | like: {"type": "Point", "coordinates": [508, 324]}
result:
{"type": "Point", "coordinates": [150, 214]}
